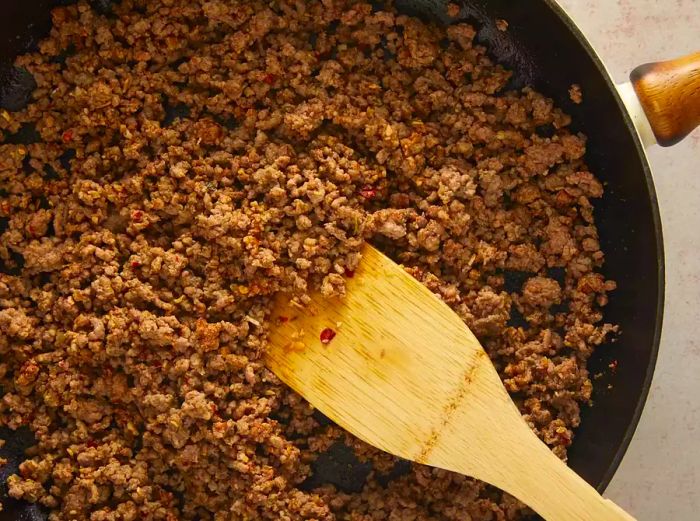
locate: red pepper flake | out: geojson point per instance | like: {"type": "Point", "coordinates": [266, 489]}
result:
{"type": "Point", "coordinates": [269, 78]}
{"type": "Point", "coordinates": [137, 216]}
{"type": "Point", "coordinates": [282, 319]}
{"type": "Point", "coordinates": [135, 264]}
{"type": "Point", "coordinates": [368, 192]}
{"type": "Point", "coordinates": [91, 444]}
{"type": "Point", "coordinates": [327, 335]}
{"type": "Point", "coordinates": [349, 273]}
{"type": "Point", "coordinates": [68, 136]}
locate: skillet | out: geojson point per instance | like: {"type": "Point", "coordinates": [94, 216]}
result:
{"type": "Point", "coordinates": [547, 51]}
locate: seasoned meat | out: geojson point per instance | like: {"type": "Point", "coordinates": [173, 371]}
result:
{"type": "Point", "coordinates": [192, 158]}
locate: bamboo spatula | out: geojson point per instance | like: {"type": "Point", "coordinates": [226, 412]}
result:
{"type": "Point", "coordinates": [393, 364]}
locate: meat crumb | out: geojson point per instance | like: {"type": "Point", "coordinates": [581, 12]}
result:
{"type": "Point", "coordinates": [502, 25]}
{"type": "Point", "coordinates": [576, 94]}
{"type": "Point", "coordinates": [453, 10]}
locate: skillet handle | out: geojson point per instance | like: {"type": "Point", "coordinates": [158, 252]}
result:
{"type": "Point", "coordinates": [669, 93]}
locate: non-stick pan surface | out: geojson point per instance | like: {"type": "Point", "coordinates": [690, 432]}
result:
{"type": "Point", "coordinates": [548, 52]}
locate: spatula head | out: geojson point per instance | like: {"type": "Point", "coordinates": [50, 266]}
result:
{"type": "Point", "coordinates": [390, 362]}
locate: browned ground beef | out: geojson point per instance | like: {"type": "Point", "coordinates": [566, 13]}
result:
{"type": "Point", "coordinates": [193, 158]}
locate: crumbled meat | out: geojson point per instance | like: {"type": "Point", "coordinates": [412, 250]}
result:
{"type": "Point", "coordinates": [196, 158]}
{"type": "Point", "coordinates": [541, 291]}
{"type": "Point", "coordinates": [502, 25]}
{"type": "Point", "coordinates": [576, 94]}
{"type": "Point", "coordinates": [453, 10]}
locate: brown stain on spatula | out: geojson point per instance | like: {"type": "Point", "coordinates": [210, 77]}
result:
{"type": "Point", "coordinates": [449, 410]}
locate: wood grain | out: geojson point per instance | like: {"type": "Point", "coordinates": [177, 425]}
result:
{"type": "Point", "coordinates": [406, 375]}
{"type": "Point", "coordinates": [669, 92]}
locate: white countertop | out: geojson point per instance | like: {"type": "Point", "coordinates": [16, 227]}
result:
{"type": "Point", "coordinates": [659, 478]}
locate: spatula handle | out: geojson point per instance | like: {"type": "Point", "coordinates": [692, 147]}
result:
{"type": "Point", "coordinates": [508, 455]}
{"type": "Point", "coordinates": [669, 92]}
{"type": "Point", "coordinates": [544, 482]}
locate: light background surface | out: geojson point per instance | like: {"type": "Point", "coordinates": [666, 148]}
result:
{"type": "Point", "coordinates": [659, 478]}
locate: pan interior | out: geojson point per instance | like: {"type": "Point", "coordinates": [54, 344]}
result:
{"type": "Point", "coordinates": [546, 52]}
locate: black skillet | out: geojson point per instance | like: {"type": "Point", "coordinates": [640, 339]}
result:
{"type": "Point", "coordinates": [547, 51]}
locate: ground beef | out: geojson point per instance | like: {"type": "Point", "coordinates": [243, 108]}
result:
{"type": "Point", "coordinates": [541, 291]}
{"type": "Point", "coordinates": [576, 94]}
{"type": "Point", "coordinates": [187, 160]}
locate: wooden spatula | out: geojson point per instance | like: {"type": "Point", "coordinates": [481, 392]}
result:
{"type": "Point", "coordinates": [392, 364]}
